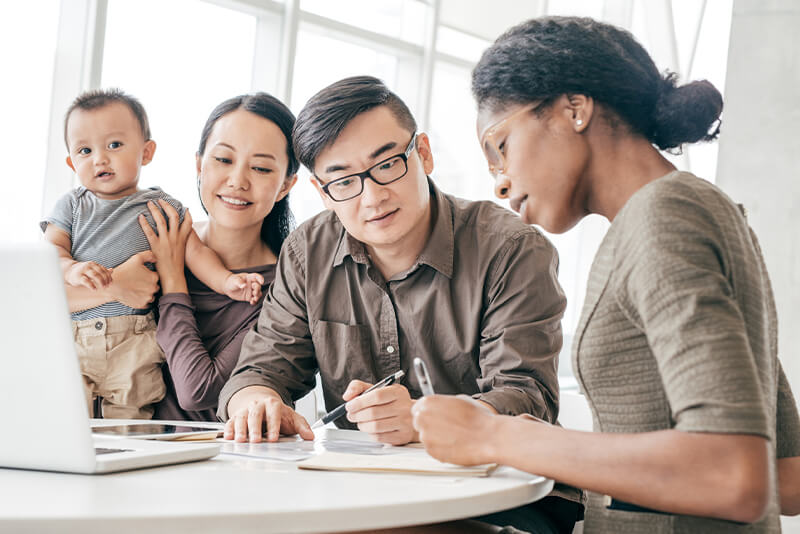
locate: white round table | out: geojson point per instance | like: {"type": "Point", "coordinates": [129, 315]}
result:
{"type": "Point", "coordinates": [234, 493]}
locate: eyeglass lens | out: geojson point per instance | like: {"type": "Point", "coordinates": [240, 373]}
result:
{"type": "Point", "coordinates": [383, 173]}
{"type": "Point", "coordinates": [493, 156]}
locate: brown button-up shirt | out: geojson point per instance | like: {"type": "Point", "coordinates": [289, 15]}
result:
{"type": "Point", "coordinates": [481, 306]}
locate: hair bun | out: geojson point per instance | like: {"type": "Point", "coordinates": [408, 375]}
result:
{"type": "Point", "coordinates": [685, 114]}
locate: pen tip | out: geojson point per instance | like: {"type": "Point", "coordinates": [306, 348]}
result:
{"type": "Point", "coordinates": [317, 424]}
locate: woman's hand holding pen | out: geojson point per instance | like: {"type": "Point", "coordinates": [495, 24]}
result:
{"type": "Point", "coordinates": [385, 413]}
{"type": "Point", "coordinates": [456, 429]}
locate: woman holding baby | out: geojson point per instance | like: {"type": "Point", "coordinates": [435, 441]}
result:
{"type": "Point", "coordinates": [245, 170]}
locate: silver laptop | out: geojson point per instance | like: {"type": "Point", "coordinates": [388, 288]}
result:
{"type": "Point", "coordinates": [45, 423]}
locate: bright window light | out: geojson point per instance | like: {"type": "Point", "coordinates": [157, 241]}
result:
{"type": "Point", "coordinates": [192, 56]}
{"type": "Point", "coordinates": [27, 67]}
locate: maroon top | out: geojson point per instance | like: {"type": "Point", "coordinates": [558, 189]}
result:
{"type": "Point", "coordinates": [201, 334]}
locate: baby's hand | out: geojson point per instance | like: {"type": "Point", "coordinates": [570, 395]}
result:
{"type": "Point", "coordinates": [244, 286]}
{"type": "Point", "coordinates": [88, 274]}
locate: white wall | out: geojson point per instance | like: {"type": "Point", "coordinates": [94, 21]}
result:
{"type": "Point", "coordinates": [759, 156]}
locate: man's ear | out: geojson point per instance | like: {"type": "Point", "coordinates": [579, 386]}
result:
{"type": "Point", "coordinates": [69, 163]}
{"type": "Point", "coordinates": [286, 187]}
{"type": "Point", "coordinates": [322, 194]}
{"type": "Point", "coordinates": [149, 151]}
{"type": "Point", "coordinates": [425, 154]}
{"type": "Point", "coordinates": [579, 110]}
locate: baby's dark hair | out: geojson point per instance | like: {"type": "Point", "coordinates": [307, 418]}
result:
{"type": "Point", "coordinates": [547, 57]}
{"type": "Point", "coordinates": [98, 98]}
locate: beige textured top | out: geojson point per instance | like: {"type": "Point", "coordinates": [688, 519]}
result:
{"type": "Point", "coordinates": [679, 330]}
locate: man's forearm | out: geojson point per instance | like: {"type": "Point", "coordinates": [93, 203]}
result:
{"type": "Point", "coordinates": [533, 398]}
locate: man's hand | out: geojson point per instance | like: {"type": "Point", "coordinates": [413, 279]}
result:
{"type": "Point", "coordinates": [88, 274]}
{"type": "Point", "coordinates": [244, 286]}
{"type": "Point", "coordinates": [254, 409]}
{"type": "Point", "coordinates": [455, 429]}
{"type": "Point", "coordinates": [133, 284]}
{"type": "Point", "coordinates": [385, 413]}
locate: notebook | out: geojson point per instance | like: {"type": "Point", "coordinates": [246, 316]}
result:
{"type": "Point", "coordinates": [45, 419]}
{"type": "Point", "coordinates": [417, 462]}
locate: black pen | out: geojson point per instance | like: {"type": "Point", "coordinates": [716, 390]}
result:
{"type": "Point", "coordinates": [340, 410]}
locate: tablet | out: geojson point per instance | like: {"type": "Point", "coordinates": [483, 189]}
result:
{"type": "Point", "coordinates": [157, 431]}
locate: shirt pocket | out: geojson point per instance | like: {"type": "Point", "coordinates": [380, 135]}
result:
{"type": "Point", "coordinates": [343, 354]}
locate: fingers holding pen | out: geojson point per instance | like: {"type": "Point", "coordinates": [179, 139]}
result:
{"type": "Point", "coordinates": [369, 405]}
{"type": "Point", "coordinates": [354, 389]}
{"type": "Point", "coordinates": [385, 413]}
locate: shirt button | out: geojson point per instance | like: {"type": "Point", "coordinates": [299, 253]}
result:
{"type": "Point", "coordinates": [390, 349]}
{"type": "Point", "coordinates": [98, 325]}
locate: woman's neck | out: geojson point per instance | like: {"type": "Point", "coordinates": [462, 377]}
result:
{"type": "Point", "coordinates": [621, 166]}
{"type": "Point", "coordinates": [237, 248]}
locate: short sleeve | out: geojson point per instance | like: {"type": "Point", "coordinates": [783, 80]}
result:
{"type": "Point", "coordinates": [788, 431]}
{"type": "Point", "coordinates": [673, 284]}
{"type": "Point", "coordinates": [62, 213]}
{"type": "Point", "coordinates": [175, 203]}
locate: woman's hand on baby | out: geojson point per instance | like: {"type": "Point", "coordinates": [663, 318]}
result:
{"type": "Point", "coordinates": [168, 243]}
{"type": "Point", "coordinates": [244, 286]}
{"type": "Point", "coordinates": [88, 274]}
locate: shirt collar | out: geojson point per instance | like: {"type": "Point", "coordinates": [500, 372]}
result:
{"type": "Point", "coordinates": [438, 251]}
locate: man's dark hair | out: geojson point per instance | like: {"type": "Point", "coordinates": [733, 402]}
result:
{"type": "Point", "coordinates": [280, 221]}
{"type": "Point", "coordinates": [547, 57]}
{"type": "Point", "coordinates": [327, 113]}
{"type": "Point", "coordinates": [98, 98]}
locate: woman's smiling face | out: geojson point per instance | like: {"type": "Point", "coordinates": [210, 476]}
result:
{"type": "Point", "coordinates": [242, 173]}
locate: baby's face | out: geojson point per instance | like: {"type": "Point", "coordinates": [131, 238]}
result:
{"type": "Point", "coordinates": [107, 149]}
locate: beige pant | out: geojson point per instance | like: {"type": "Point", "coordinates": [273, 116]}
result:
{"type": "Point", "coordinates": [121, 362]}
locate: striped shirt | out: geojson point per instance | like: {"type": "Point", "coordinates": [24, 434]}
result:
{"type": "Point", "coordinates": [106, 232]}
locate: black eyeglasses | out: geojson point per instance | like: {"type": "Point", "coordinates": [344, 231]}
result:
{"type": "Point", "coordinates": [383, 173]}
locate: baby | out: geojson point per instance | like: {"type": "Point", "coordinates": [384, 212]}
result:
{"type": "Point", "coordinates": [94, 228]}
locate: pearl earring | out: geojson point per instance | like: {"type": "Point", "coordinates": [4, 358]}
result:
{"type": "Point", "coordinates": [579, 122]}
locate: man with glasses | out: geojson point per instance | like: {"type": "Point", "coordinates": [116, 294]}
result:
{"type": "Point", "coordinates": [396, 269]}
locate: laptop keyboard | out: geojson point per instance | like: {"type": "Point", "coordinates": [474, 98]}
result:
{"type": "Point", "coordinates": [101, 450]}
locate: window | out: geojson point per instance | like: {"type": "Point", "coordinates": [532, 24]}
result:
{"type": "Point", "coordinates": [188, 57]}
{"type": "Point", "coordinates": [26, 113]}
{"type": "Point", "coordinates": [459, 165]}
{"type": "Point", "coordinates": [183, 57]}
{"type": "Point", "coordinates": [402, 19]}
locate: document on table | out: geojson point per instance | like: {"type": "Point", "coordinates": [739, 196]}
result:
{"type": "Point", "coordinates": [292, 449]}
{"type": "Point", "coordinates": [347, 450]}
{"type": "Point", "coordinates": [413, 461]}
{"type": "Point", "coordinates": [286, 449]}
